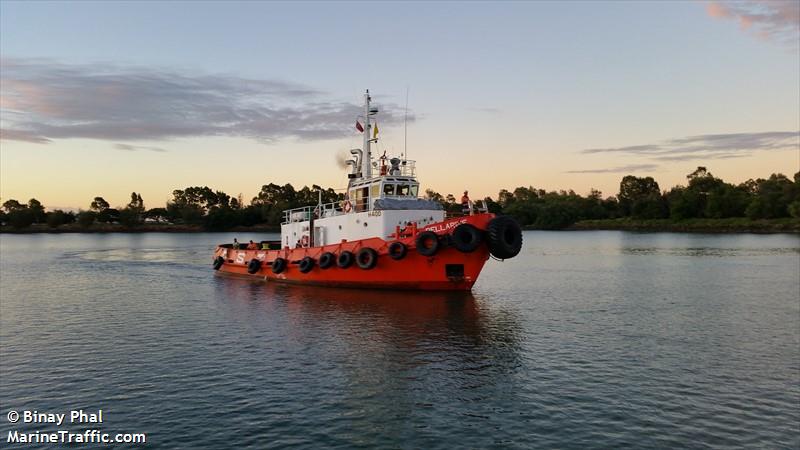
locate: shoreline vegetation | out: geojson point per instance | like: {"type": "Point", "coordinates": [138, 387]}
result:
{"type": "Point", "coordinates": [713, 226]}
{"type": "Point", "coordinates": [706, 204]}
{"type": "Point", "coordinates": [729, 225]}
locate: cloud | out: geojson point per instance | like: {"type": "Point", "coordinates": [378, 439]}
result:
{"type": "Point", "coordinates": [133, 148]}
{"type": "Point", "coordinates": [42, 100]}
{"type": "Point", "coordinates": [711, 146]}
{"type": "Point", "coordinates": [21, 135]}
{"type": "Point", "coordinates": [630, 168]}
{"type": "Point", "coordinates": [777, 20]}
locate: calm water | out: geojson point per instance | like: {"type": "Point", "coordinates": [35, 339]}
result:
{"type": "Point", "coordinates": [587, 340]}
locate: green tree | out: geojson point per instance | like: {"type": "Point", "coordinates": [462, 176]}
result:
{"type": "Point", "coordinates": [430, 194]}
{"type": "Point", "coordinates": [86, 218]}
{"type": "Point", "coordinates": [133, 213]}
{"type": "Point", "coordinates": [726, 200]}
{"type": "Point", "coordinates": [773, 197]}
{"type": "Point", "coordinates": [640, 197]}
{"type": "Point", "coordinates": [11, 205]}
{"type": "Point", "coordinates": [794, 209]}
{"type": "Point", "coordinates": [37, 210]}
{"type": "Point", "coordinates": [157, 214]}
{"type": "Point", "coordinates": [99, 204]}
{"type": "Point", "coordinates": [58, 217]}
{"type": "Point", "coordinates": [21, 218]}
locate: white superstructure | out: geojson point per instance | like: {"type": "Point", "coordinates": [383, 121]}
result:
{"type": "Point", "coordinates": [374, 206]}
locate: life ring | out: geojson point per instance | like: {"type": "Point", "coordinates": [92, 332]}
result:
{"type": "Point", "coordinates": [279, 265]}
{"type": "Point", "coordinates": [397, 250]}
{"type": "Point", "coordinates": [427, 243]}
{"type": "Point", "coordinates": [505, 237]}
{"type": "Point", "coordinates": [218, 262]}
{"type": "Point", "coordinates": [253, 266]}
{"type": "Point", "coordinates": [347, 207]}
{"type": "Point", "coordinates": [466, 238]}
{"type": "Point", "coordinates": [304, 241]}
{"type": "Point", "coordinates": [306, 264]}
{"type": "Point", "coordinates": [367, 258]}
{"type": "Point", "coordinates": [345, 259]}
{"type": "Point", "coordinates": [327, 260]}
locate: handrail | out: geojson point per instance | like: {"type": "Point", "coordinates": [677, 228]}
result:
{"type": "Point", "coordinates": [407, 168]}
{"type": "Point", "coordinates": [304, 213]}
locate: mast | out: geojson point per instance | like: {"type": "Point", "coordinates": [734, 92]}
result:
{"type": "Point", "coordinates": [366, 159]}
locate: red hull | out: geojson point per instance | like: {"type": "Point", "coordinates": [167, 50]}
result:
{"type": "Point", "coordinates": [414, 271]}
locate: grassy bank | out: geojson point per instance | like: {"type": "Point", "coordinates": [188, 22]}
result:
{"type": "Point", "coordinates": [730, 225]}
{"type": "Point", "coordinates": [117, 228]}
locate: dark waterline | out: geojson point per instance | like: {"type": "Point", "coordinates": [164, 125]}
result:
{"type": "Point", "coordinates": [586, 340]}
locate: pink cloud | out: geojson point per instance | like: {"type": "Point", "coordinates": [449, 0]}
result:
{"type": "Point", "coordinates": [777, 20]}
{"type": "Point", "coordinates": [714, 9]}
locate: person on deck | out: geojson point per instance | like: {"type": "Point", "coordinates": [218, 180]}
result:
{"type": "Point", "coordinates": [252, 245]}
{"type": "Point", "coordinates": [235, 245]}
{"type": "Point", "coordinates": [466, 207]}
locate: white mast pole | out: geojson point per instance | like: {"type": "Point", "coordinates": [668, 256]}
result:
{"type": "Point", "coordinates": [366, 159]}
{"type": "Point", "coordinates": [405, 128]}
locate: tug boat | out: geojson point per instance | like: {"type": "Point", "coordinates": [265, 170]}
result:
{"type": "Point", "coordinates": [382, 235]}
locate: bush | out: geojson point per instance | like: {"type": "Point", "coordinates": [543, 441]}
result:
{"type": "Point", "coordinates": [21, 218]}
{"type": "Point", "coordinates": [86, 218]}
{"type": "Point", "coordinates": [56, 218]}
{"type": "Point", "coordinates": [794, 209]}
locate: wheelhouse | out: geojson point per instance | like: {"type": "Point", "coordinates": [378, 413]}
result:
{"type": "Point", "coordinates": [363, 194]}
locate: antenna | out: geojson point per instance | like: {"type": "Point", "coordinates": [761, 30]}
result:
{"type": "Point", "coordinates": [405, 129]}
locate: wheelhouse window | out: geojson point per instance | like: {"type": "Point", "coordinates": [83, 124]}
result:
{"type": "Point", "coordinates": [403, 189]}
{"type": "Point", "coordinates": [361, 199]}
{"type": "Point", "coordinates": [388, 189]}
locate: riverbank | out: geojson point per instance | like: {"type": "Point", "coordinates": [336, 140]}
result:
{"type": "Point", "coordinates": [729, 225]}
{"type": "Point", "coordinates": [145, 228]}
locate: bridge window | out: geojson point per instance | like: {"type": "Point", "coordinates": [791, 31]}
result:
{"type": "Point", "coordinates": [388, 189]}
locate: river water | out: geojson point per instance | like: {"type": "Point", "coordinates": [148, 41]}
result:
{"type": "Point", "coordinates": [586, 340]}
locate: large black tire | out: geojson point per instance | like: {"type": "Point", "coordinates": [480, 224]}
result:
{"type": "Point", "coordinates": [279, 265]}
{"type": "Point", "coordinates": [253, 266]}
{"type": "Point", "coordinates": [218, 262]}
{"type": "Point", "coordinates": [427, 243]}
{"type": "Point", "coordinates": [327, 260]}
{"type": "Point", "coordinates": [345, 259]}
{"type": "Point", "coordinates": [466, 238]}
{"type": "Point", "coordinates": [505, 237]}
{"type": "Point", "coordinates": [306, 264]}
{"type": "Point", "coordinates": [367, 258]}
{"type": "Point", "coordinates": [397, 250]}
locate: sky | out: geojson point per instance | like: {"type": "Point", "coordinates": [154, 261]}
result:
{"type": "Point", "coordinates": [106, 98]}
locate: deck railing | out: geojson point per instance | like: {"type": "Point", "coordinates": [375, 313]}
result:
{"type": "Point", "coordinates": [332, 209]}
{"type": "Point", "coordinates": [406, 168]}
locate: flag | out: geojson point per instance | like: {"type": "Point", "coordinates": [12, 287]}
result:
{"type": "Point", "coordinates": [359, 127]}
{"type": "Point", "coordinates": [375, 131]}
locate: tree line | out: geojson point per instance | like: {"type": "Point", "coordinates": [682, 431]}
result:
{"type": "Point", "coordinates": [704, 196]}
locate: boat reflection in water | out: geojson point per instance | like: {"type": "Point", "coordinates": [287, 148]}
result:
{"type": "Point", "coordinates": [445, 337]}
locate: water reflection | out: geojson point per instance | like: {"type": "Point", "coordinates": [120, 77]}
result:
{"type": "Point", "coordinates": [411, 336]}
{"type": "Point", "coordinates": [428, 316]}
